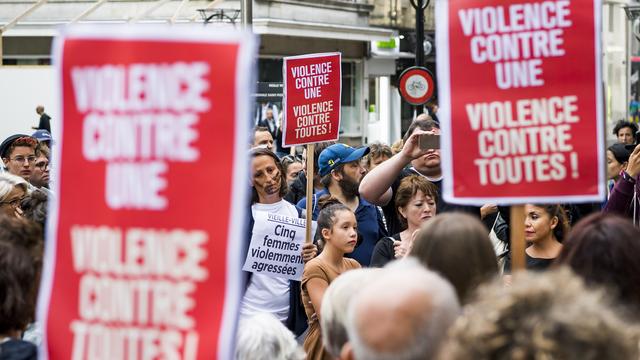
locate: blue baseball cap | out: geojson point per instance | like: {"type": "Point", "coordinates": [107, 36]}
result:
{"type": "Point", "coordinates": [42, 135]}
{"type": "Point", "coordinates": [338, 154]}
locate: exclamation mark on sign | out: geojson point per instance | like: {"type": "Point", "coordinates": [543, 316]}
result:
{"type": "Point", "coordinates": [329, 127]}
{"type": "Point", "coordinates": [574, 165]}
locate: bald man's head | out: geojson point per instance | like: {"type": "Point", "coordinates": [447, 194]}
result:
{"type": "Point", "coordinates": [404, 314]}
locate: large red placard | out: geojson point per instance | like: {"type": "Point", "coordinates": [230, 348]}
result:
{"type": "Point", "coordinates": [149, 172]}
{"type": "Point", "coordinates": [520, 100]}
{"type": "Point", "coordinates": [312, 92]}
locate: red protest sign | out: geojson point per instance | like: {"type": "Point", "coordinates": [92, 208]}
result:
{"type": "Point", "coordinates": [141, 264]}
{"type": "Point", "coordinates": [312, 91]}
{"type": "Point", "coordinates": [520, 100]}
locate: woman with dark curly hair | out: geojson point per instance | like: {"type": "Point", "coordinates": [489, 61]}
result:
{"type": "Point", "coordinates": [545, 227]}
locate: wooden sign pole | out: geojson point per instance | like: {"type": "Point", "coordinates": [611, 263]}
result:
{"type": "Point", "coordinates": [517, 238]}
{"type": "Point", "coordinates": [310, 151]}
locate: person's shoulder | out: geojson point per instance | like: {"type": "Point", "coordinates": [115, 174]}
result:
{"type": "Point", "coordinates": [365, 203]}
{"type": "Point", "coordinates": [406, 172]}
{"type": "Point", "coordinates": [292, 209]}
{"type": "Point", "coordinates": [351, 263]}
{"type": "Point", "coordinates": [18, 349]}
{"type": "Point", "coordinates": [314, 263]}
{"type": "Point", "coordinates": [316, 267]}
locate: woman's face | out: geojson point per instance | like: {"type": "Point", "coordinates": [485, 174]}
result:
{"type": "Point", "coordinates": [613, 166]}
{"type": "Point", "coordinates": [292, 171]}
{"type": "Point", "coordinates": [344, 233]}
{"type": "Point", "coordinates": [11, 205]}
{"type": "Point", "coordinates": [538, 224]}
{"type": "Point", "coordinates": [266, 178]}
{"type": "Point", "coordinates": [420, 208]}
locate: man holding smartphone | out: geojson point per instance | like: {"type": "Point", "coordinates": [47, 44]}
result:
{"type": "Point", "coordinates": [380, 185]}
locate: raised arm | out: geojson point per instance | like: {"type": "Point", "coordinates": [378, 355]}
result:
{"type": "Point", "coordinates": [623, 192]}
{"type": "Point", "coordinates": [375, 187]}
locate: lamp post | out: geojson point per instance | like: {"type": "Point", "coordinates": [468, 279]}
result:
{"type": "Point", "coordinates": [419, 6]}
{"type": "Point", "coordinates": [246, 6]}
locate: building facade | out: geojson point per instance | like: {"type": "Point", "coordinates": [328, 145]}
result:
{"type": "Point", "coordinates": [376, 39]}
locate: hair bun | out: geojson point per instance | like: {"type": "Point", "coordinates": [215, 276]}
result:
{"type": "Point", "coordinates": [327, 200]}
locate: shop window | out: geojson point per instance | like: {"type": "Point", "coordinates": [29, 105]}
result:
{"type": "Point", "coordinates": [270, 70]}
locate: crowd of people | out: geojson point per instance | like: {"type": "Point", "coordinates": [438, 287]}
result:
{"type": "Point", "coordinates": [393, 270]}
{"type": "Point", "coordinates": [24, 194]}
{"type": "Point", "coordinates": [396, 272]}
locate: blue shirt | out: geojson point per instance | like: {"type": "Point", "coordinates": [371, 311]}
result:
{"type": "Point", "coordinates": [370, 226]}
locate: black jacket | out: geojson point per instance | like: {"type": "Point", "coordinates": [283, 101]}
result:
{"type": "Point", "coordinates": [18, 350]}
{"type": "Point", "coordinates": [298, 189]}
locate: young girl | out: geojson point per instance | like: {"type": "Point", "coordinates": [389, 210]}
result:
{"type": "Point", "coordinates": [338, 229]}
{"type": "Point", "coordinates": [545, 227]}
{"type": "Point", "coordinates": [415, 204]}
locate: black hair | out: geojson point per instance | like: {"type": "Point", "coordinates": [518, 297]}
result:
{"type": "Point", "coordinates": [425, 125]}
{"type": "Point", "coordinates": [621, 124]}
{"type": "Point", "coordinates": [555, 210]}
{"type": "Point", "coordinates": [620, 152]}
{"type": "Point", "coordinates": [326, 180]}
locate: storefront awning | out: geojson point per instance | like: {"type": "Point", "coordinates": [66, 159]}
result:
{"type": "Point", "coordinates": [318, 30]}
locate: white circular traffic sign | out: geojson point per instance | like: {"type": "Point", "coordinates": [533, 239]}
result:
{"type": "Point", "coordinates": [416, 85]}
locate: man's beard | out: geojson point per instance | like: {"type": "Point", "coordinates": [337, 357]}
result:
{"type": "Point", "coordinates": [349, 187]}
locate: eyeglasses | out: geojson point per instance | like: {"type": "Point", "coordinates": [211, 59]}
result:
{"type": "Point", "coordinates": [20, 159]}
{"type": "Point", "coordinates": [291, 159]}
{"type": "Point", "coordinates": [13, 203]}
{"type": "Point", "coordinates": [42, 165]}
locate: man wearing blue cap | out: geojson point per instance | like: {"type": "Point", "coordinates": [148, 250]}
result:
{"type": "Point", "coordinates": [341, 171]}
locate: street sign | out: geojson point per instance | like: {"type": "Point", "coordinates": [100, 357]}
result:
{"type": "Point", "coordinates": [140, 265]}
{"type": "Point", "coordinates": [520, 101]}
{"type": "Point", "coordinates": [269, 92]}
{"type": "Point", "coordinates": [312, 92]}
{"type": "Point", "coordinates": [416, 85]}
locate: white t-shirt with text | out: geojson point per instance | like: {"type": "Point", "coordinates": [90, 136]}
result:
{"type": "Point", "coordinates": [266, 294]}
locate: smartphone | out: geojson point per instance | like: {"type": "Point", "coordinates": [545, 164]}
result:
{"type": "Point", "coordinates": [633, 146]}
{"type": "Point", "coordinates": [429, 141]}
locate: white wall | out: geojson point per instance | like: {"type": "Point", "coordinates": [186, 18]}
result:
{"type": "Point", "coordinates": [22, 88]}
{"type": "Point", "coordinates": [614, 64]}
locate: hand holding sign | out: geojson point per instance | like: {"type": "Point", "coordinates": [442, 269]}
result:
{"type": "Point", "coordinates": [277, 246]}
